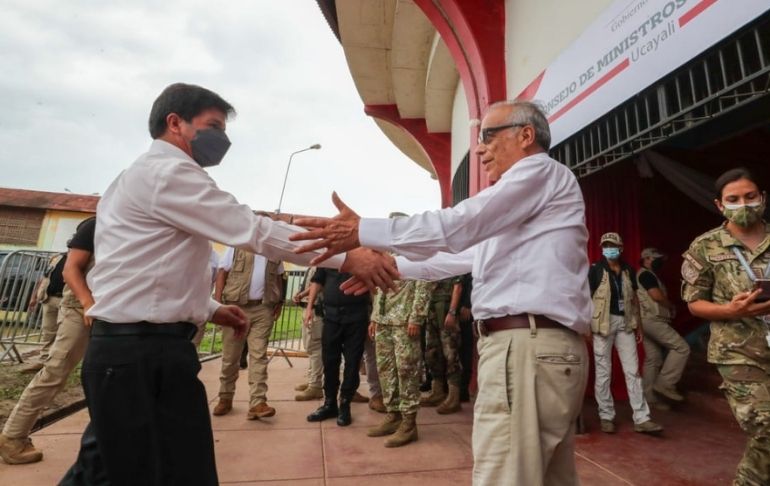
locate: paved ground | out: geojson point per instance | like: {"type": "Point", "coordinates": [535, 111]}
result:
{"type": "Point", "coordinates": [701, 445]}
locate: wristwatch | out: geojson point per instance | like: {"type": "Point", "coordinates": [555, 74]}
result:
{"type": "Point", "coordinates": [452, 312]}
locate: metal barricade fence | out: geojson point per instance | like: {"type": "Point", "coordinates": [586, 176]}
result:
{"type": "Point", "coordinates": [287, 332]}
{"type": "Point", "coordinates": [19, 325]}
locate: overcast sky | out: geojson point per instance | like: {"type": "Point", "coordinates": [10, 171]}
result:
{"type": "Point", "coordinates": [79, 78]}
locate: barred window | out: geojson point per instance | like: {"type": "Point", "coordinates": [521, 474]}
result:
{"type": "Point", "coordinates": [20, 226]}
{"type": "Point", "coordinates": [461, 181]}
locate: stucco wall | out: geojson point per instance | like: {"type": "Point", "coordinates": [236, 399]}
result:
{"type": "Point", "coordinates": [536, 31]}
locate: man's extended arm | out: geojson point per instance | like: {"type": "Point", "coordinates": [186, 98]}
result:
{"type": "Point", "coordinates": [186, 198]}
{"type": "Point", "coordinates": [511, 201]}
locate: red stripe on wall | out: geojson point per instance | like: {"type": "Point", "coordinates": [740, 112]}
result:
{"type": "Point", "coordinates": [598, 84]}
{"type": "Point", "coordinates": [695, 11]}
{"type": "Point", "coordinates": [531, 90]}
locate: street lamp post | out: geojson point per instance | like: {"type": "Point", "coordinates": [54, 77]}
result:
{"type": "Point", "coordinates": [288, 166]}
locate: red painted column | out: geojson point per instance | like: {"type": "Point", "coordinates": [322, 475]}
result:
{"type": "Point", "coordinates": [436, 145]}
{"type": "Point", "coordinates": [474, 33]}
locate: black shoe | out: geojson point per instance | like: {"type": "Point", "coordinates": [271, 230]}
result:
{"type": "Point", "coordinates": [344, 419]}
{"type": "Point", "coordinates": [326, 411]}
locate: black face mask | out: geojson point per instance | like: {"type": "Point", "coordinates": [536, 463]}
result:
{"type": "Point", "coordinates": [209, 146]}
{"type": "Point", "coordinates": [657, 264]}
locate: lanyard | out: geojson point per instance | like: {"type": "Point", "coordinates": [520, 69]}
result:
{"type": "Point", "coordinates": [747, 267]}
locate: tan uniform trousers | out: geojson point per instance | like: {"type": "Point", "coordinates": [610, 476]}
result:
{"type": "Point", "coordinates": [66, 352]}
{"type": "Point", "coordinates": [49, 324]}
{"type": "Point", "coordinates": [531, 387]}
{"type": "Point", "coordinates": [659, 335]}
{"type": "Point", "coordinates": [260, 317]}
{"type": "Point", "coordinates": [311, 340]}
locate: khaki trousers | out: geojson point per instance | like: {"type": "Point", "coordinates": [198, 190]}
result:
{"type": "Point", "coordinates": [311, 341]}
{"type": "Point", "coordinates": [49, 324]}
{"type": "Point", "coordinates": [66, 352]}
{"type": "Point", "coordinates": [260, 317]}
{"type": "Point", "coordinates": [625, 343]}
{"type": "Point", "coordinates": [531, 386]}
{"type": "Point", "coordinates": [659, 335]}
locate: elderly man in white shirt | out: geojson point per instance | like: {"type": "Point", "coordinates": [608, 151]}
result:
{"type": "Point", "coordinates": [524, 239]}
{"type": "Point", "coordinates": [151, 286]}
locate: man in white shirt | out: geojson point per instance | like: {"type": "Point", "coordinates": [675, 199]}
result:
{"type": "Point", "coordinates": [255, 284]}
{"type": "Point", "coordinates": [151, 286]}
{"type": "Point", "coordinates": [524, 239]}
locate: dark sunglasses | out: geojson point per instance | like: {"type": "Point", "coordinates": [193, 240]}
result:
{"type": "Point", "coordinates": [487, 134]}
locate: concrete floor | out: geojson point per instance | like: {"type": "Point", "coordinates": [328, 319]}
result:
{"type": "Point", "coordinates": [701, 445]}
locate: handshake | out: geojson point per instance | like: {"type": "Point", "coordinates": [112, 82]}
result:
{"type": "Point", "coordinates": [370, 268]}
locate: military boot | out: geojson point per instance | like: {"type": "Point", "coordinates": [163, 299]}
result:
{"type": "Point", "coordinates": [452, 402]}
{"type": "Point", "coordinates": [223, 406]}
{"type": "Point", "coordinates": [309, 393]}
{"type": "Point", "coordinates": [437, 394]}
{"type": "Point", "coordinates": [18, 451]}
{"type": "Point", "coordinates": [388, 426]}
{"type": "Point", "coordinates": [406, 432]}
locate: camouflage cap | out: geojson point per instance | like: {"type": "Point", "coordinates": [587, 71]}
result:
{"type": "Point", "coordinates": [611, 238]}
{"type": "Point", "coordinates": [652, 253]}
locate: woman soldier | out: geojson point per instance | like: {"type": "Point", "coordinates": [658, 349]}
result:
{"type": "Point", "coordinates": [723, 271]}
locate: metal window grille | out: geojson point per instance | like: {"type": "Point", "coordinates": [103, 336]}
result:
{"type": "Point", "coordinates": [730, 75]}
{"type": "Point", "coordinates": [461, 181]}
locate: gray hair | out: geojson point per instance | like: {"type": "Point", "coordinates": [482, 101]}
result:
{"type": "Point", "coordinates": [528, 113]}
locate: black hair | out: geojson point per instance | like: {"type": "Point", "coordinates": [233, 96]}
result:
{"type": "Point", "coordinates": [733, 175]}
{"type": "Point", "coordinates": [82, 223]}
{"type": "Point", "coordinates": [187, 101]}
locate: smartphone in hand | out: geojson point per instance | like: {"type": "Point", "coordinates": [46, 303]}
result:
{"type": "Point", "coordinates": [764, 284]}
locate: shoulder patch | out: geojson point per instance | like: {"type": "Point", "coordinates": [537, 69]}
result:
{"type": "Point", "coordinates": [689, 272]}
{"type": "Point", "coordinates": [693, 262]}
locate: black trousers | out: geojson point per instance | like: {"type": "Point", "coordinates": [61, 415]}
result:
{"type": "Point", "coordinates": [344, 334]}
{"type": "Point", "coordinates": [149, 412]}
{"type": "Point", "coordinates": [88, 469]}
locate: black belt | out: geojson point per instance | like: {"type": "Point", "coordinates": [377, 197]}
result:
{"type": "Point", "coordinates": [519, 321]}
{"type": "Point", "coordinates": [185, 330]}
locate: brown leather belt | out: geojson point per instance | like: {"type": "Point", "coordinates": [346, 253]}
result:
{"type": "Point", "coordinates": [519, 321]}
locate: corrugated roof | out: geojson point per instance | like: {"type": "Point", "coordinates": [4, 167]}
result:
{"type": "Point", "coordinates": [60, 201]}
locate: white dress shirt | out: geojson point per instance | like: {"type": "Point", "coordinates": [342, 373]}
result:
{"type": "Point", "coordinates": [524, 240]}
{"type": "Point", "coordinates": [257, 284]}
{"type": "Point", "coordinates": [152, 248]}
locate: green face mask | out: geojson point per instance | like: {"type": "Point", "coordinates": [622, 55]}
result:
{"type": "Point", "coordinates": [744, 215]}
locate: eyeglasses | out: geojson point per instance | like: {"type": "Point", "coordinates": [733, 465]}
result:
{"type": "Point", "coordinates": [487, 134]}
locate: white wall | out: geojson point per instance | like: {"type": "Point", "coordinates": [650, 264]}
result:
{"type": "Point", "coordinates": [536, 31]}
{"type": "Point", "coordinates": [460, 128]}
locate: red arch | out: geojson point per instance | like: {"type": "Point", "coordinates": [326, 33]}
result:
{"type": "Point", "coordinates": [474, 33]}
{"type": "Point", "coordinates": [436, 145]}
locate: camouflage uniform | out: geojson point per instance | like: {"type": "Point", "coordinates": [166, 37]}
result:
{"type": "Point", "coordinates": [442, 345]}
{"type": "Point", "coordinates": [712, 272]}
{"type": "Point", "coordinates": [398, 354]}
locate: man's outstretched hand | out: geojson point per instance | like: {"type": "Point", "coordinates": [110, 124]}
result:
{"type": "Point", "coordinates": [337, 235]}
{"type": "Point", "coordinates": [370, 269]}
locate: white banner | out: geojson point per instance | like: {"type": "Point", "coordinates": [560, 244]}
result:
{"type": "Point", "coordinates": [629, 47]}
